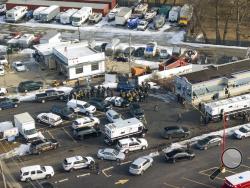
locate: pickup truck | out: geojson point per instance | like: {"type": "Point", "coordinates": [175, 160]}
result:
{"type": "Point", "coordinates": [50, 95]}
{"type": "Point", "coordinates": [117, 101]}
{"type": "Point", "coordinates": [42, 145]}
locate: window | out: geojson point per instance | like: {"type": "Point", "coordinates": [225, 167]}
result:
{"type": "Point", "coordinates": [33, 172]}
{"type": "Point", "coordinates": [25, 173]}
{"type": "Point", "coordinates": [39, 172]}
{"type": "Point", "coordinates": [79, 70]}
{"type": "Point", "coordinates": [95, 66]}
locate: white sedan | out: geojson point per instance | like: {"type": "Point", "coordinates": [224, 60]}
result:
{"type": "Point", "coordinates": [140, 165]}
{"type": "Point", "coordinates": [110, 154]}
{"type": "Point", "coordinates": [3, 91]}
{"type": "Point", "coordinates": [19, 66]}
{"type": "Point", "coordinates": [49, 118]}
{"type": "Point", "coordinates": [85, 121]}
{"type": "Point", "coordinates": [242, 132]}
{"type": "Point", "coordinates": [1, 70]}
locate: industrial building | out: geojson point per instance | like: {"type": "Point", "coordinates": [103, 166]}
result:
{"type": "Point", "coordinates": [77, 60]}
{"type": "Point", "coordinates": [214, 82]}
{"type": "Point", "coordinates": [64, 5]}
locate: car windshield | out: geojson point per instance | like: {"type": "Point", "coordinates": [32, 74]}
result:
{"type": "Point", "coordinates": [76, 19]}
{"type": "Point", "coordinates": [243, 130]}
{"type": "Point", "coordinates": [19, 64]}
{"type": "Point", "coordinates": [204, 141]}
{"type": "Point", "coordinates": [30, 132]}
{"type": "Point", "coordinates": [86, 105]}
{"type": "Point", "coordinates": [43, 168]}
{"type": "Point", "coordinates": [134, 166]}
{"type": "Point", "coordinates": [117, 116]}
{"type": "Point", "coordinates": [115, 152]}
{"type": "Point", "coordinates": [65, 162]}
{"type": "Point", "coordinates": [163, 51]}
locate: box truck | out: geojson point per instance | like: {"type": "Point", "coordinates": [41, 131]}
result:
{"type": "Point", "coordinates": [49, 13]}
{"type": "Point", "coordinates": [66, 17]}
{"type": "Point", "coordinates": [36, 13]}
{"type": "Point", "coordinates": [15, 14]}
{"type": "Point", "coordinates": [26, 126]}
{"type": "Point", "coordinates": [123, 15]}
{"type": "Point", "coordinates": [81, 16]}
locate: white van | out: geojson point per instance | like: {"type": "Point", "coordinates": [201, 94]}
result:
{"type": "Point", "coordinates": [81, 106]}
{"type": "Point", "coordinates": [113, 116]}
{"type": "Point", "coordinates": [36, 172]}
{"type": "Point", "coordinates": [131, 144]}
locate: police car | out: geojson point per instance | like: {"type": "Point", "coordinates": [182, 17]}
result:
{"type": "Point", "coordinates": [49, 119]}
{"type": "Point", "coordinates": [77, 162]}
{"type": "Point", "coordinates": [131, 144]}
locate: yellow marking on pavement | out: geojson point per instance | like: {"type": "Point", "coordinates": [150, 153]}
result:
{"type": "Point", "coordinates": [197, 182]}
{"type": "Point", "coordinates": [213, 168]}
{"type": "Point", "coordinates": [106, 169]}
{"type": "Point", "coordinates": [125, 162]}
{"type": "Point", "coordinates": [205, 174]}
{"type": "Point", "coordinates": [50, 134]}
{"type": "Point", "coordinates": [121, 182]}
{"type": "Point", "coordinates": [69, 134]}
{"type": "Point", "coordinates": [169, 185]}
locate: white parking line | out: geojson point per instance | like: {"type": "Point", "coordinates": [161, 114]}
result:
{"type": "Point", "coordinates": [169, 185]}
{"type": "Point", "coordinates": [69, 134]}
{"type": "Point", "coordinates": [60, 181]}
{"type": "Point", "coordinates": [106, 169]}
{"type": "Point", "coordinates": [197, 182]}
{"type": "Point", "coordinates": [125, 162]}
{"type": "Point", "coordinates": [82, 175]}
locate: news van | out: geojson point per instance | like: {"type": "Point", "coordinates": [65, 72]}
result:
{"type": "Point", "coordinates": [240, 180]}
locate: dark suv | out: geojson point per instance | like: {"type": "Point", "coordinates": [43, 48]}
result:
{"type": "Point", "coordinates": [100, 104]}
{"type": "Point", "coordinates": [136, 111]}
{"type": "Point", "coordinates": [6, 103]}
{"type": "Point", "coordinates": [83, 132]}
{"type": "Point", "coordinates": [63, 111]}
{"type": "Point", "coordinates": [175, 132]}
{"type": "Point", "coordinates": [50, 95]}
{"type": "Point", "coordinates": [29, 86]}
{"type": "Point", "coordinates": [179, 154]}
{"type": "Point", "coordinates": [42, 145]}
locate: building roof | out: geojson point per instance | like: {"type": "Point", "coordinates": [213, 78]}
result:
{"type": "Point", "coordinates": [214, 71]}
{"type": "Point", "coordinates": [47, 49]}
{"type": "Point", "coordinates": [59, 3]}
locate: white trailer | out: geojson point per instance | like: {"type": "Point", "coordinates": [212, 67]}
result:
{"type": "Point", "coordinates": [26, 126]}
{"type": "Point", "coordinates": [8, 131]}
{"type": "Point", "coordinates": [66, 17]}
{"type": "Point", "coordinates": [123, 15]}
{"type": "Point", "coordinates": [36, 13]}
{"type": "Point", "coordinates": [16, 13]}
{"type": "Point", "coordinates": [26, 40]}
{"type": "Point", "coordinates": [81, 16]}
{"type": "Point", "coordinates": [235, 106]}
{"type": "Point", "coordinates": [186, 14]}
{"type": "Point", "coordinates": [49, 13]}
{"type": "Point", "coordinates": [122, 129]}
{"type": "Point", "coordinates": [174, 14]}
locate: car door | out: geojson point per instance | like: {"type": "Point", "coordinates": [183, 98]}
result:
{"type": "Point", "coordinates": [135, 146]}
{"type": "Point", "coordinates": [40, 174]}
{"type": "Point", "coordinates": [33, 175]}
{"type": "Point", "coordinates": [78, 164]}
{"type": "Point", "coordinates": [109, 117]}
{"type": "Point", "coordinates": [146, 164]}
{"type": "Point", "coordinates": [45, 119]}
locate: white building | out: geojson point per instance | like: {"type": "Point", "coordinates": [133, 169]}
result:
{"type": "Point", "coordinates": [78, 60]}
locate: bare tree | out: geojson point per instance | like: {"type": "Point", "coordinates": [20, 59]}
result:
{"type": "Point", "coordinates": [228, 17]}
{"type": "Point", "coordinates": [217, 28]}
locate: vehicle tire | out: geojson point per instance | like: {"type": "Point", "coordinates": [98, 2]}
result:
{"type": "Point", "coordinates": [143, 135]}
{"type": "Point", "coordinates": [43, 101]}
{"type": "Point", "coordinates": [39, 152]}
{"type": "Point", "coordinates": [15, 106]}
{"type": "Point", "coordinates": [71, 170]}
{"type": "Point", "coordinates": [243, 137]}
{"type": "Point", "coordinates": [48, 176]}
{"type": "Point", "coordinates": [191, 158]}
{"type": "Point", "coordinates": [38, 120]}
{"type": "Point", "coordinates": [126, 151]}
{"type": "Point", "coordinates": [28, 179]}
{"type": "Point", "coordinates": [142, 172]}
{"type": "Point", "coordinates": [61, 98]}
{"type": "Point", "coordinates": [143, 147]}
{"type": "Point", "coordinates": [87, 113]}
{"type": "Point", "coordinates": [219, 144]}
{"type": "Point", "coordinates": [25, 90]}
{"type": "Point", "coordinates": [205, 148]}
{"type": "Point", "coordinates": [102, 158]}
{"type": "Point", "coordinates": [118, 160]}
{"type": "Point", "coordinates": [174, 161]}
{"type": "Point", "coordinates": [1, 94]}
{"type": "Point", "coordinates": [0, 109]}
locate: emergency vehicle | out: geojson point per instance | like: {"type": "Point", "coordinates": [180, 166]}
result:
{"type": "Point", "coordinates": [240, 180]}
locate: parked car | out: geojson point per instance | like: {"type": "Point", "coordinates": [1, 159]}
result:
{"type": "Point", "coordinates": [209, 141]}
{"type": "Point", "coordinates": [113, 116]}
{"type": "Point", "coordinates": [142, 25]}
{"type": "Point", "coordinates": [131, 144]}
{"type": "Point", "coordinates": [164, 54]}
{"type": "Point", "coordinates": [242, 132]}
{"type": "Point", "coordinates": [117, 101]}
{"type": "Point", "coordinates": [49, 119]}
{"type": "Point", "coordinates": [19, 66]}
{"type": "Point", "coordinates": [139, 52]}
{"type": "Point", "coordinates": [175, 132]}
{"type": "Point", "coordinates": [126, 52]}
{"type": "Point", "coordinates": [140, 165]}
{"type": "Point", "coordinates": [6, 103]}
{"type": "Point", "coordinates": [95, 17]}
{"type": "Point", "coordinates": [3, 91]}
{"type": "Point", "coordinates": [77, 162]}
{"type": "Point", "coordinates": [110, 154]}
{"type": "Point", "coordinates": [81, 106]}
{"type": "Point", "coordinates": [136, 111]}
{"type": "Point", "coordinates": [3, 60]}
{"type": "Point", "coordinates": [82, 132]}
{"type": "Point", "coordinates": [42, 145]}
{"type": "Point", "coordinates": [63, 111]}
{"type": "Point", "coordinates": [85, 122]}
{"type": "Point", "coordinates": [2, 70]}
{"type": "Point", "coordinates": [100, 104]}
{"type": "Point", "coordinates": [179, 154]}
{"type": "Point", "coordinates": [49, 95]}
{"type": "Point", "coordinates": [36, 172]}
{"type": "Point", "coordinates": [29, 86]}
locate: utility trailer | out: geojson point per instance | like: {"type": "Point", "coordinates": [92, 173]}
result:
{"type": "Point", "coordinates": [123, 129]}
{"type": "Point", "coordinates": [49, 13]}
{"type": "Point", "coordinates": [186, 14]}
{"type": "Point", "coordinates": [15, 14]}
{"type": "Point", "coordinates": [231, 107]}
{"type": "Point", "coordinates": [81, 16]}
{"type": "Point", "coordinates": [66, 17]}
{"type": "Point", "coordinates": [36, 13]}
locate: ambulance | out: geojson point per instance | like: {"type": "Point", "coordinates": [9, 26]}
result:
{"type": "Point", "coordinates": [240, 180]}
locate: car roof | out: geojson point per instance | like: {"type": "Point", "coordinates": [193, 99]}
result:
{"type": "Point", "coordinates": [53, 116]}
{"type": "Point", "coordinates": [140, 160]}
{"type": "Point", "coordinates": [77, 101]}
{"type": "Point", "coordinates": [109, 150]}
{"type": "Point", "coordinates": [127, 140]}
{"type": "Point", "coordinates": [171, 128]}
{"type": "Point", "coordinates": [28, 168]}
{"type": "Point", "coordinates": [112, 112]}
{"type": "Point", "coordinates": [73, 159]}
{"type": "Point", "coordinates": [83, 120]}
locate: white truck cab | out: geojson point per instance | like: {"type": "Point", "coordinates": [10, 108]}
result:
{"type": "Point", "coordinates": [49, 119]}
{"type": "Point", "coordinates": [81, 106]}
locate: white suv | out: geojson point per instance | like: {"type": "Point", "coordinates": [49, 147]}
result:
{"type": "Point", "coordinates": [242, 132]}
{"type": "Point", "coordinates": [140, 165]}
{"type": "Point", "coordinates": [131, 144]}
{"type": "Point", "coordinates": [49, 119]}
{"type": "Point", "coordinates": [36, 172]}
{"type": "Point", "coordinates": [85, 121]}
{"type": "Point", "coordinates": [81, 106]}
{"type": "Point", "coordinates": [113, 116]}
{"type": "Point", "coordinates": [77, 162]}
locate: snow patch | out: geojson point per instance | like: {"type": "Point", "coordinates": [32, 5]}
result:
{"type": "Point", "coordinates": [23, 149]}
